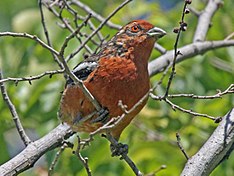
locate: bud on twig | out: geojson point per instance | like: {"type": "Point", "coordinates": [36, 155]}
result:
{"type": "Point", "coordinates": [188, 1]}
{"type": "Point", "coordinates": [186, 11]}
{"type": "Point", "coordinates": [176, 30]}
{"type": "Point", "coordinates": [183, 26]}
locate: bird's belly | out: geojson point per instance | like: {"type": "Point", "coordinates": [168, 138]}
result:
{"type": "Point", "coordinates": [118, 79]}
{"type": "Point", "coordinates": [126, 91]}
{"type": "Point", "coordinates": [129, 91]}
{"type": "Point", "coordinates": [109, 85]}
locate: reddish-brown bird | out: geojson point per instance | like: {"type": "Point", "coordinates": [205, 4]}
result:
{"type": "Point", "coordinates": [117, 72]}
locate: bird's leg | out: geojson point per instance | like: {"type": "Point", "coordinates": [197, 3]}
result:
{"type": "Point", "coordinates": [79, 118]}
{"type": "Point", "coordinates": [117, 148]}
{"type": "Point", "coordinates": [102, 115]}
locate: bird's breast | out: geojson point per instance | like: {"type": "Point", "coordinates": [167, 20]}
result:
{"type": "Point", "coordinates": [118, 79]}
{"type": "Point", "coordinates": [113, 80]}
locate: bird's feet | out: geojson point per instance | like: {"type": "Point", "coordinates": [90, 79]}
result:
{"type": "Point", "coordinates": [119, 149]}
{"type": "Point", "coordinates": [96, 116]}
{"type": "Point", "coordinates": [102, 116]}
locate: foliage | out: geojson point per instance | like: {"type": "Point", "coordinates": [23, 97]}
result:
{"type": "Point", "coordinates": [151, 137]}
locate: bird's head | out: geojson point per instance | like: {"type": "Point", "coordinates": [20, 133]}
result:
{"type": "Point", "coordinates": [139, 32]}
{"type": "Point", "coordinates": [140, 28]}
{"type": "Point", "coordinates": [134, 40]}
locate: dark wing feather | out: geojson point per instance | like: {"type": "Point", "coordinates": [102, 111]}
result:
{"type": "Point", "coordinates": [82, 70]}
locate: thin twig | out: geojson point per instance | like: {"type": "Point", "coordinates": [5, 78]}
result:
{"type": "Point", "coordinates": [32, 37]}
{"type": "Point", "coordinates": [47, 33]}
{"type": "Point", "coordinates": [162, 167]}
{"type": "Point", "coordinates": [229, 36]}
{"type": "Point", "coordinates": [58, 154]}
{"type": "Point", "coordinates": [54, 3]}
{"type": "Point", "coordinates": [152, 134]}
{"type": "Point", "coordinates": [91, 25]}
{"type": "Point", "coordinates": [14, 114]}
{"type": "Point", "coordinates": [161, 79]}
{"type": "Point", "coordinates": [95, 15]}
{"type": "Point", "coordinates": [174, 107]}
{"type": "Point", "coordinates": [67, 25]}
{"type": "Point", "coordinates": [178, 139]}
{"type": "Point", "coordinates": [98, 28]}
{"type": "Point", "coordinates": [102, 42]}
{"type": "Point", "coordinates": [83, 160]}
{"type": "Point", "coordinates": [72, 35]}
{"type": "Point", "coordinates": [229, 90]}
{"type": "Point", "coordinates": [30, 78]}
{"type": "Point", "coordinates": [176, 52]}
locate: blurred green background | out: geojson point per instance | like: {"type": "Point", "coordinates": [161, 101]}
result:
{"type": "Point", "coordinates": [151, 137]}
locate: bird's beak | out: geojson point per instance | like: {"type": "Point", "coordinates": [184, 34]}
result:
{"type": "Point", "coordinates": [156, 32]}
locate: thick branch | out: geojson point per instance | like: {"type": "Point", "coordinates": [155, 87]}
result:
{"type": "Point", "coordinates": [187, 51]}
{"type": "Point", "coordinates": [204, 20]}
{"type": "Point", "coordinates": [35, 150]}
{"type": "Point", "coordinates": [218, 147]}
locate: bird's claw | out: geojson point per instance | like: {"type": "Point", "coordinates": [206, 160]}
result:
{"type": "Point", "coordinates": [102, 116]}
{"type": "Point", "coordinates": [119, 149]}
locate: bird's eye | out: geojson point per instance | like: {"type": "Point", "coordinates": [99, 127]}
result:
{"type": "Point", "coordinates": [135, 29]}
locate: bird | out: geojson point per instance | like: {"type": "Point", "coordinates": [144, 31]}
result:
{"type": "Point", "coordinates": [118, 72]}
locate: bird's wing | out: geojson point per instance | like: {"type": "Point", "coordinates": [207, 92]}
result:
{"type": "Point", "coordinates": [82, 70]}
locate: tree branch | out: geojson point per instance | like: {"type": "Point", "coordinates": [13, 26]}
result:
{"type": "Point", "coordinates": [95, 15]}
{"type": "Point", "coordinates": [217, 148]}
{"type": "Point", "coordinates": [31, 78]}
{"type": "Point", "coordinates": [32, 37]}
{"type": "Point", "coordinates": [47, 33]}
{"type": "Point", "coordinates": [183, 27]}
{"type": "Point", "coordinates": [188, 51]}
{"type": "Point", "coordinates": [100, 27]}
{"type": "Point", "coordinates": [204, 20]}
{"type": "Point", "coordinates": [26, 159]}
{"type": "Point", "coordinates": [14, 113]}
{"type": "Point", "coordinates": [219, 94]}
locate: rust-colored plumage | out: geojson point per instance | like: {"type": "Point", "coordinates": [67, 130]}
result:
{"type": "Point", "coordinates": [118, 72]}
